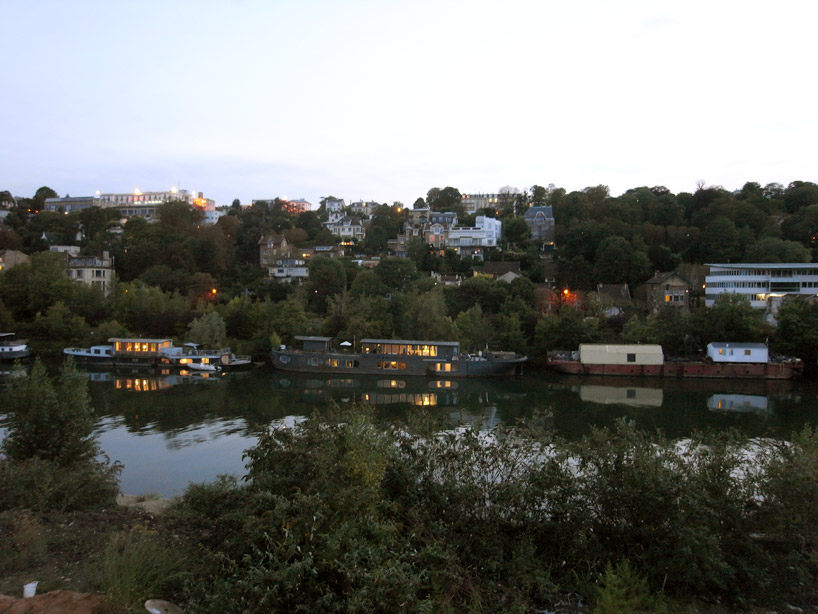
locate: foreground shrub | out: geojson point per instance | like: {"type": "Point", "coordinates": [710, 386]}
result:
{"type": "Point", "coordinates": [42, 485]}
{"type": "Point", "coordinates": [138, 565]}
{"type": "Point", "coordinates": [52, 459]}
{"type": "Point", "coordinates": [337, 514]}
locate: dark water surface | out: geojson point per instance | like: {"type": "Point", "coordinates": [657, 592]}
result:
{"type": "Point", "coordinates": [170, 431]}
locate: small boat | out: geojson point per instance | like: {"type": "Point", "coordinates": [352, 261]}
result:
{"type": "Point", "coordinates": [394, 357]}
{"type": "Point", "coordinates": [12, 349]}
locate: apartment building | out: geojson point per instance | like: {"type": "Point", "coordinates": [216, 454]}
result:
{"type": "Point", "coordinates": [764, 284]}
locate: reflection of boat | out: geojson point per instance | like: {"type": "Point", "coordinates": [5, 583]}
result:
{"type": "Point", "coordinates": [724, 360]}
{"type": "Point", "coordinates": [13, 349]}
{"type": "Point", "coordinates": [379, 390]}
{"type": "Point", "coordinates": [141, 380]}
{"type": "Point", "coordinates": [616, 395]}
{"type": "Point", "coordinates": [738, 403]}
{"type": "Point", "coordinates": [394, 356]}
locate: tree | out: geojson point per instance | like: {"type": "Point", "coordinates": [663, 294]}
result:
{"type": "Point", "coordinates": [516, 231]}
{"type": "Point", "coordinates": [51, 457]}
{"type": "Point", "coordinates": [447, 199]}
{"type": "Point", "coordinates": [797, 331]}
{"type": "Point", "coordinates": [49, 420]}
{"type": "Point", "coordinates": [773, 249]}
{"type": "Point", "coordinates": [396, 273]}
{"type": "Point", "coordinates": [208, 330]}
{"type": "Point", "coordinates": [326, 277]}
{"type": "Point", "coordinates": [731, 318]}
{"type": "Point", "coordinates": [41, 195]}
{"type": "Point", "coordinates": [473, 328]}
{"type": "Point", "coordinates": [565, 331]}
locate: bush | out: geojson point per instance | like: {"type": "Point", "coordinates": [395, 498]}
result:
{"type": "Point", "coordinates": [138, 565]}
{"type": "Point", "coordinates": [41, 485]}
{"type": "Point", "coordinates": [52, 460]}
{"type": "Point", "coordinates": [338, 514]}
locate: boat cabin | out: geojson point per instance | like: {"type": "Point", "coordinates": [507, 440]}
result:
{"type": "Point", "coordinates": [738, 352]}
{"type": "Point", "coordinates": [624, 354]}
{"type": "Point", "coordinates": [403, 347]}
{"type": "Point", "coordinates": [314, 344]}
{"type": "Point", "coordinates": [140, 348]}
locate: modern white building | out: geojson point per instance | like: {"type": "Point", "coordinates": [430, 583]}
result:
{"type": "Point", "coordinates": [467, 240]}
{"type": "Point", "coordinates": [764, 284]}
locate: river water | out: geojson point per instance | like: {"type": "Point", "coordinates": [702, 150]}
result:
{"type": "Point", "coordinates": [169, 431]}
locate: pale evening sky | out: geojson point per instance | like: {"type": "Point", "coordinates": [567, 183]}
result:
{"type": "Point", "coordinates": [384, 100]}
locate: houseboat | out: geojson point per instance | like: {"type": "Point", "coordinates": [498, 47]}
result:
{"type": "Point", "coordinates": [724, 360]}
{"type": "Point", "coordinates": [137, 352]}
{"type": "Point", "coordinates": [393, 357]}
{"type": "Point", "coordinates": [12, 349]}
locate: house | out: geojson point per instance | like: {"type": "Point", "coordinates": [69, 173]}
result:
{"type": "Point", "coordinates": [288, 263]}
{"type": "Point", "coordinates": [346, 227]}
{"type": "Point", "coordinates": [363, 208]}
{"type": "Point", "coordinates": [270, 247]}
{"type": "Point", "coordinates": [667, 288]}
{"type": "Point", "coordinates": [540, 222]}
{"type": "Point", "coordinates": [499, 271]}
{"type": "Point", "coordinates": [97, 272]}
{"type": "Point", "coordinates": [334, 204]}
{"type": "Point", "coordinates": [447, 279]}
{"type": "Point", "coordinates": [11, 257]}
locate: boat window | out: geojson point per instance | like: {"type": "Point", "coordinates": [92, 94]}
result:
{"type": "Point", "coordinates": [631, 357]}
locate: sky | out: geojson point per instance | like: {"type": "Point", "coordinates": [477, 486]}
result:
{"type": "Point", "coordinates": [383, 100]}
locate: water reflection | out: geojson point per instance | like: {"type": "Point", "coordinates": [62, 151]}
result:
{"type": "Point", "coordinates": [739, 402]}
{"type": "Point", "coordinates": [169, 428]}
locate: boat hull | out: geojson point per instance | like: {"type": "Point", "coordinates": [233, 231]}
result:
{"type": "Point", "coordinates": [692, 369]}
{"type": "Point", "coordinates": [393, 365]}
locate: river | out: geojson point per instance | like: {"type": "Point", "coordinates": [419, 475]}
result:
{"type": "Point", "coordinates": [170, 431]}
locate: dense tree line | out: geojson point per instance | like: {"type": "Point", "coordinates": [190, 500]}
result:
{"type": "Point", "coordinates": [174, 271]}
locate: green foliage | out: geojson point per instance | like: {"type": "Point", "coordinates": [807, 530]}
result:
{"type": "Point", "coordinates": [60, 324]}
{"type": "Point", "coordinates": [51, 455]}
{"type": "Point", "coordinates": [623, 591]}
{"type": "Point", "coordinates": [565, 330]}
{"type": "Point", "coordinates": [49, 420]}
{"type": "Point", "coordinates": [730, 318]}
{"type": "Point", "coordinates": [797, 331]}
{"type": "Point", "coordinates": [44, 485]}
{"type": "Point", "coordinates": [473, 329]}
{"type": "Point", "coordinates": [137, 564]}
{"type": "Point", "coordinates": [208, 330]}
{"type": "Point", "coordinates": [338, 514]}
{"type": "Point", "coordinates": [147, 311]}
